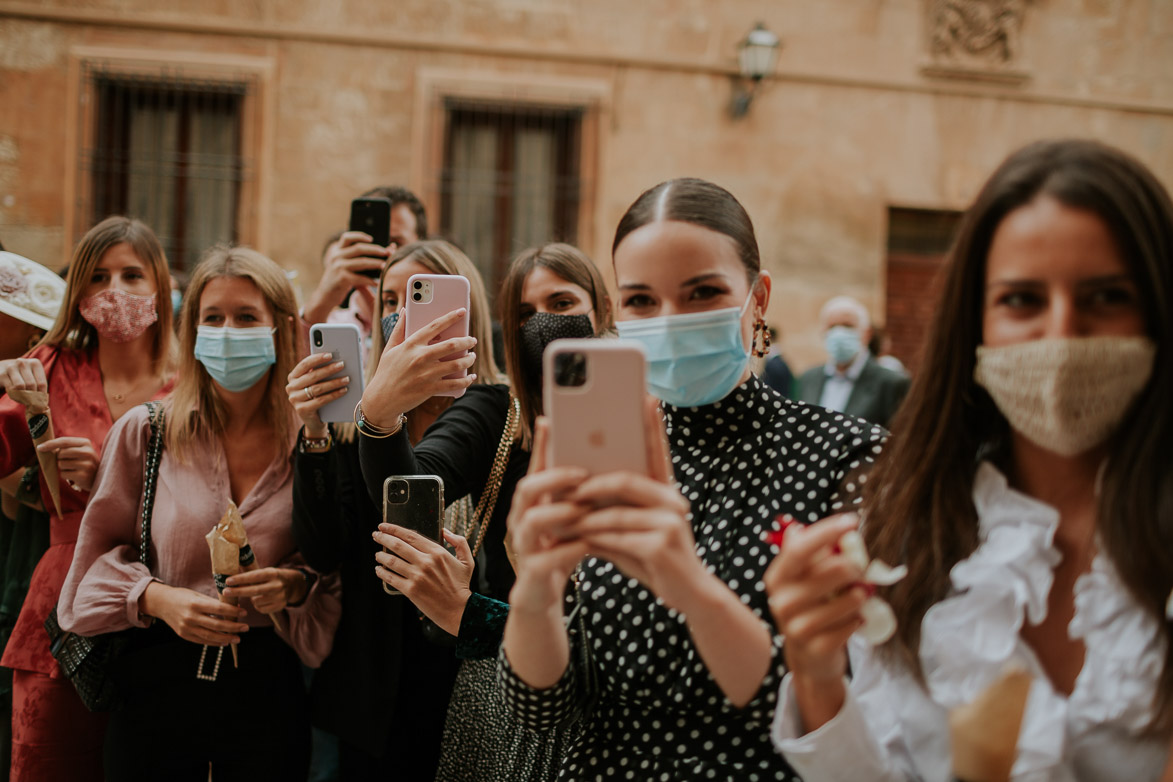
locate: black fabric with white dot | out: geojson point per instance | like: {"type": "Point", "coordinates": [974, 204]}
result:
{"type": "Point", "coordinates": [741, 462]}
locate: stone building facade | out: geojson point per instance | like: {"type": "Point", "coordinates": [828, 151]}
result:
{"type": "Point", "coordinates": [879, 123]}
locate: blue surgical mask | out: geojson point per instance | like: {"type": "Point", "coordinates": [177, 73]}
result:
{"type": "Point", "coordinates": [694, 359]}
{"type": "Point", "coordinates": [236, 358]}
{"type": "Point", "coordinates": [388, 325]}
{"type": "Point", "coordinates": [176, 301]}
{"type": "Point", "coordinates": [842, 344]}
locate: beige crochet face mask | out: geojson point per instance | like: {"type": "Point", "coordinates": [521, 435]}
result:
{"type": "Point", "coordinates": [1066, 395]}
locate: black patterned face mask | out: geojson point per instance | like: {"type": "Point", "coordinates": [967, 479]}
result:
{"type": "Point", "coordinates": [388, 325]}
{"type": "Point", "coordinates": [540, 330]}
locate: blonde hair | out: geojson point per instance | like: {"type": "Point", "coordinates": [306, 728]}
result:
{"type": "Point", "coordinates": [438, 257]}
{"type": "Point", "coordinates": [196, 410]}
{"type": "Point", "coordinates": [73, 332]}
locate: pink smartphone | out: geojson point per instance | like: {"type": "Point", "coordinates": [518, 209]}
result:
{"type": "Point", "coordinates": [594, 391]}
{"type": "Point", "coordinates": [431, 296]}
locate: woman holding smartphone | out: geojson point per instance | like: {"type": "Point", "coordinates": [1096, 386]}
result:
{"type": "Point", "coordinates": [676, 670]}
{"type": "Point", "coordinates": [229, 433]}
{"type": "Point", "coordinates": [548, 292]}
{"type": "Point", "coordinates": [1048, 503]}
{"type": "Point", "coordinates": [384, 689]}
{"type": "Point", "coordinates": [109, 349]}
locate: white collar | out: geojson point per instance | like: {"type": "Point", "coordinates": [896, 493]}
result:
{"type": "Point", "coordinates": [854, 369]}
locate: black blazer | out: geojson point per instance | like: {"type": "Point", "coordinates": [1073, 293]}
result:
{"type": "Point", "coordinates": [875, 397]}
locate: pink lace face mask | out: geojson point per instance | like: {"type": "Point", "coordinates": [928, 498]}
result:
{"type": "Point", "coordinates": [117, 315]}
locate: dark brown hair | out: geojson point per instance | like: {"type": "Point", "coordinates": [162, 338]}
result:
{"type": "Point", "coordinates": [702, 203]}
{"type": "Point", "coordinates": [72, 331]}
{"type": "Point", "coordinates": [572, 265]}
{"type": "Point", "coordinates": [918, 500]}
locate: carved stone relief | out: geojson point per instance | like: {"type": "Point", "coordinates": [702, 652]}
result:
{"type": "Point", "coordinates": [975, 36]}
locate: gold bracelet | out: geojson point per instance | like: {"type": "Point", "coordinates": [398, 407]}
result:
{"type": "Point", "coordinates": [367, 429]}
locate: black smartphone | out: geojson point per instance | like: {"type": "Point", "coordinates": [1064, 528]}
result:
{"type": "Point", "coordinates": [372, 216]}
{"type": "Point", "coordinates": [415, 502]}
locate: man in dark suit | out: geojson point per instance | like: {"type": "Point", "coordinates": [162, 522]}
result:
{"type": "Point", "coordinates": [851, 381]}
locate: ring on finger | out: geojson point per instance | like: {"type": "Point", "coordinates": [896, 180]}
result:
{"type": "Point", "coordinates": [309, 394]}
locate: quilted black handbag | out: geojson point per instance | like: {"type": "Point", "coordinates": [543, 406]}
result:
{"type": "Point", "coordinates": [87, 660]}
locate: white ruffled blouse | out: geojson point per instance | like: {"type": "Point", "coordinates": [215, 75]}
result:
{"type": "Point", "coordinates": [891, 728]}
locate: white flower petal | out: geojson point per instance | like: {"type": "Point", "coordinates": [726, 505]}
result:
{"type": "Point", "coordinates": [851, 544]}
{"type": "Point", "coordinates": [881, 574]}
{"type": "Point", "coordinates": [879, 622]}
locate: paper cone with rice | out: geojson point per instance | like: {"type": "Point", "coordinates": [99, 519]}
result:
{"type": "Point", "coordinates": [36, 412]}
{"type": "Point", "coordinates": [231, 526]}
{"type": "Point", "coordinates": [225, 563]}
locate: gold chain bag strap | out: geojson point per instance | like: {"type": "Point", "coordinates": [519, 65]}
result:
{"type": "Point", "coordinates": [479, 522]}
{"type": "Point", "coordinates": [484, 510]}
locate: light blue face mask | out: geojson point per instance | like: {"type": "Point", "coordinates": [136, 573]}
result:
{"type": "Point", "coordinates": [236, 358]}
{"type": "Point", "coordinates": [842, 344]}
{"type": "Point", "coordinates": [176, 302]}
{"type": "Point", "coordinates": [694, 359]}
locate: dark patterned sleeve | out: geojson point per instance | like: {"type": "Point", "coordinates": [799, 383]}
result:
{"type": "Point", "coordinates": [567, 699]}
{"type": "Point", "coordinates": [482, 627]}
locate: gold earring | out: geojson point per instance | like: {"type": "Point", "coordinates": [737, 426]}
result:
{"type": "Point", "coordinates": [761, 338]}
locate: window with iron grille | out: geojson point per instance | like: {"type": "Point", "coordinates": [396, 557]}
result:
{"type": "Point", "coordinates": [168, 151]}
{"type": "Point", "coordinates": [510, 180]}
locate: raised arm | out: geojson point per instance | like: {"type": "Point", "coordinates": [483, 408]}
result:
{"type": "Point", "coordinates": [106, 579]}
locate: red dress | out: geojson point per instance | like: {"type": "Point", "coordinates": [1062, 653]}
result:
{"type": "Point", "coordinates": [77, 403]}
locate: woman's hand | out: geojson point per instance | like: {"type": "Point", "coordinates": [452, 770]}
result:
{"type": "Point", "coordinates": [815, 598]}
{"type": "Point", "coordinates": [540, 518]}
{"type": "Point", "coordinates": [270, 588]}
{"type": "Point", "coordinates": [640, 523]}
{"type": "Point", "coordinates": [23, 374]}
{"type": "Point", "coordinates": [194, 617]}
{"type": "Point", "coordinates": [412, 370]}
{"type": "Point", "coordinates": [311, 373]}
{"type": "Point", "coordinates": [423, 570]}
{"type": "Point", "coordinates": [77, 461]}
{"type": "Point", "coordinates": [343, 271]}
{"type": "Point", "coordinates": [535, 638]}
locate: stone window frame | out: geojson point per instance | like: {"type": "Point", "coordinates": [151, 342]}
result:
{"type": "Point", "coordinates": [436, 87]}
{"type": "Point", "coordinates": [257, 112]}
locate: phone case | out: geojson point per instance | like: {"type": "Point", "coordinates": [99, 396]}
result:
{"type": "Point", "coordinates": [448, 292]}
{"type": "Point", "coordinates": [415, 502]}
{"type": "Point", "coordinates": [598, 425]}
{"type": "Point", "coordinates": [372, 216]}
{"type": "Point", "coordinates": [344, 342]}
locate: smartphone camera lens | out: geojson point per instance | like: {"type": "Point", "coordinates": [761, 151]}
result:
{"type": "Point", "coordinates": [397, 492]}
{"type": "Point", "coordinates": [570, 370]}
{"type": "Point", "coordinates": [418, 284]}
{"type": "Point", "coordinates": [317, 339]}
{"type": "Point", "coordinates": [416, 296]}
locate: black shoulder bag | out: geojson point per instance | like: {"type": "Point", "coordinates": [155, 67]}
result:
{"type": "Point", "coordinates": [86, 660]}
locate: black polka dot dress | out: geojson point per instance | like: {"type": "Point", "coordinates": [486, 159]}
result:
{"type": "Point", "coordinates": [649, 708]}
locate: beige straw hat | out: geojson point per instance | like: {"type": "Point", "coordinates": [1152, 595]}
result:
{"type": "Point", "coordinates": [28, 291]}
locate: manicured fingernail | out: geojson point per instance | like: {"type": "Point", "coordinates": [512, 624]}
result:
{"type": "Point", "coordinates": [785, 522]}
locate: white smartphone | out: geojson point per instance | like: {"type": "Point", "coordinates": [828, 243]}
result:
{"type": "Point", "coordinates": [594, 392]}
{"type": "Point", "coordinates": [431, 296]}
{"type": "Point", "coordinates": [344, 343]}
